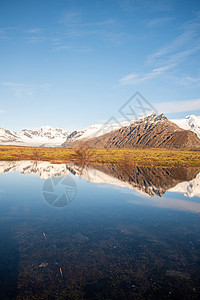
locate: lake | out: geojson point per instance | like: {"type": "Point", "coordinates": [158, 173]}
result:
{"type": "Point", "coordinates": [98, 232]}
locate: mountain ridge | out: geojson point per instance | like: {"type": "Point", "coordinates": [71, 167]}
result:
{"type": "Point", "coordinates": [49, 136]}
{"type": "Point", "coordinates": [44, 136]}
{"type": "Point", "coordinates": [153, 131]}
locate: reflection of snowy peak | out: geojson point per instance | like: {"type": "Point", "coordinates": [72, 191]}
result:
{"type": "Point", "coordinates": [145, 180]}
{"type": "Point", "coordinates": [189, 188]}
{"type": "Point", "coordinates": [43, 169]}
{"type": "Point", "coordinates": [46, 136]}
{"type": "Point", "coordinates": [189, 123]}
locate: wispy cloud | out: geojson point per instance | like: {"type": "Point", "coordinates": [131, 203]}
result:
{"type": "Point", "coordinates": [178, 106]}
{"type": "Point", "coordinates": [38, 39]}
{"type": "Point", "coordinates": [134, 5]}
{"type": "Point", "coordinates": [20, 89]}
{"type": "Point", "coordinates": [159, 21]}
{"type": "Point", "coordinates": [4, 33]}
{"type": "Point", "coordinates": [187, 81]}
{"type": "Point", "coordinates": [185, 44]}
{"type": "Point", "coordinates": [34, 30]}
{"type": "Point", "coordinates": [71, 18]}
{"type": "Point", "coordinates": [25, 90]}
{"type": "Point", "coordinates": [168, 60]}
{"type": "Point", "coordinates": [134, 78]}
{"type": "Point", "coordinates": [76, 31]}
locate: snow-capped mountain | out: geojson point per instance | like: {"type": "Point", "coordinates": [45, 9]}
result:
{"type": "Point", "coordinates": [191, 122]}
{"type": "Point", "coordinates": [44, 136]}
{"type": "Point", "coordinates": [8, 136]}
{"type": "Point", "coordinates": [95, 131]}
{"type": "Point", "coordinates": [154, 131]}
{"type": "Point", "coordinates": [48, 136]}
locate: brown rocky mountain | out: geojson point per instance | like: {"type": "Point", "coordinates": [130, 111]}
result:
{"type": "Point", "coordinates": [154, 131]}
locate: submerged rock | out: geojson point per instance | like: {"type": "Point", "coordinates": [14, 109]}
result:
{"type": "Point", "coordinates": [43, 265]}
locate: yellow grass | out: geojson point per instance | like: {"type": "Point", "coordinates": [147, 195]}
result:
{"type": "Point", "coordinates": [141, 157]}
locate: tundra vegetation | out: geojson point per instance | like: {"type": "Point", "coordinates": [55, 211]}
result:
{"type": "Point", "coordinates": [83, 154]}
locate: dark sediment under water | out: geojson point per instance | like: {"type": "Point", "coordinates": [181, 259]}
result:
{"type": "Point", "coordinates": [99, 232]}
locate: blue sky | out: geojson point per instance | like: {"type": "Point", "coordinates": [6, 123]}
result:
{"type": "Point", "coordinates": [70, 64]}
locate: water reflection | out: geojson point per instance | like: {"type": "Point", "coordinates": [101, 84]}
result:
{"type": "Point", "coordinates": [147, 180]}
{"type": "Point", "coordinates": [109, 243]}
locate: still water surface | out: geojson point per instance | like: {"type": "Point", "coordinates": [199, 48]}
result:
{"type": "Point", "coordinates": [98, 233]}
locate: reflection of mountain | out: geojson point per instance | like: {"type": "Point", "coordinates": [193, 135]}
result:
{"type": "Point", "coordinates": [151, 181]}
{"type": "Point", "coordinates": [190, 189]}
{"type": "Point", "coordinates": [44, 169]}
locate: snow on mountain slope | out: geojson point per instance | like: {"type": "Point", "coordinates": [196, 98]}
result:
{"type": "Point", "coordinates": [8, 135]}
{"type": "Point", "coordinates": [48, 136]}
{"type": "Point", "coordinates": [95, 131]}
{"type": "Point", "coordinates": [191, 122]}
{"type": "Point", "coordinates": [44, 136]}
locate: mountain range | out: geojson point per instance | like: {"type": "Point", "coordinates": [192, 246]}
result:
{"type": "Point", "coordinates": [44, 136]}
{"type": "Point", "coordinates": [151, 131]}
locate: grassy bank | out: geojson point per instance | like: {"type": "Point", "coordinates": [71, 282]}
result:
{"type": "Point", "coordinates": [141, 157]}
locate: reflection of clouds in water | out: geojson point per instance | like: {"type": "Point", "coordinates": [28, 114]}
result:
{"type": "Point", "coordinates": [169, 203]}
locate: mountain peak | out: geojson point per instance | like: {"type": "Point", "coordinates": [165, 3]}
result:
{"type": "Point", "coordinates": [152, 131]}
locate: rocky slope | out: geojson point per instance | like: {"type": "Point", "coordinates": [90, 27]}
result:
{"type": "Point", "coordinates": [154, 131]}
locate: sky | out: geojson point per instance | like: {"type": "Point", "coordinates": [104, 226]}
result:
{"type": "Point", "coordinates": [73, 63]}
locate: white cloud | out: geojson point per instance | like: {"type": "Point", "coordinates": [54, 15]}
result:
{"type": "Point", "coordinates": [4, 31]}
{"type": "Point", "coordinates": [20, 89]}
{"type": "Point", "coordinates": [25, 90]}
{"type": "Point", "coordinates": [184, 45]}
{"type": "Point", "coordinates": [159, 21]}
{"type": "Point", "coordinates": [133, 78]}
{"type": "Point", "coordinates": [167, 60]}
{"type": "Point", "coordinates": [178, 106]}
{"type": "Point", "coordinates": [188, 81]}
{"type": "Point", "coordinates": [34, 30]}
{"type": "Point", "coordinates": [71, 18]}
